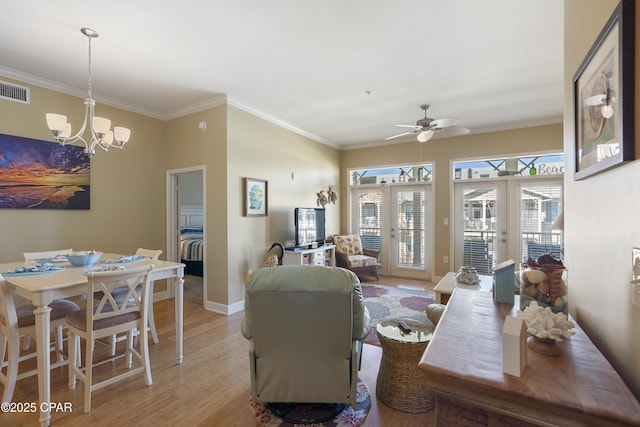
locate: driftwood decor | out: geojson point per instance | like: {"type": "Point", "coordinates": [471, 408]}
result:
{"type": "Point", "coordinates": [331, 197]}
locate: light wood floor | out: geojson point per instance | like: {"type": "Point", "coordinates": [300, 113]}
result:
{"type": "Point", "coordinates": [210, 388]}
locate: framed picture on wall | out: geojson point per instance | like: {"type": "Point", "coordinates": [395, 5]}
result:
{"type": "Point", "coordinates": [603, 89]}
{"type": "Point", "coordinates": [255, 197]}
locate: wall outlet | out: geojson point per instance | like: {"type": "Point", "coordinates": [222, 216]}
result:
{"type": "Point", "coordinates": [446, 221]}
{"type": "Point", "coordinates": [445, 259]}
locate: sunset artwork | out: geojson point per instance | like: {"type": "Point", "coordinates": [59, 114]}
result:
{"type": "Point", "coordinates": [42, 175]}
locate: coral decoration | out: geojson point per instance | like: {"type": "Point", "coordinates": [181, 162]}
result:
{"type": "Point", "coordinates": [545, 324]}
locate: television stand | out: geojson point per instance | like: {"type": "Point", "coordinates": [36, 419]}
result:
{"type": "Point", "coordinates": [322, 255]}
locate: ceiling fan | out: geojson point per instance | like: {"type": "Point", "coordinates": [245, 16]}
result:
{"type": "Point", "coordinates": [427, 127]}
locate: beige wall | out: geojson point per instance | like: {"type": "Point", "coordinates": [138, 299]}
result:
{"type": "Point", "coordinates": [440, 152]}
{"type": "Point", "coordinates": [126, 186]}
{"type": "Point", "coordinates": [601, 217]}
{"type": "Point", "coordinates": [237, 144]}
{"type": "Point", "coordinates": [259, 149]}
{"type": "Point", "coordinates": [191, 188]}
{"type": "Point", "coordinates": [187, 146]}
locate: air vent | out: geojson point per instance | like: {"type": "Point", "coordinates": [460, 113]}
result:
{"type": "Point", "coordinates": [12, 92]}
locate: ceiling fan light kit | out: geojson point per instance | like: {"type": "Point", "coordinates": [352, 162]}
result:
{"type": "Point", "coordinates": [427, 127]}
{"type": "Point", "coordinates": [425, 135]}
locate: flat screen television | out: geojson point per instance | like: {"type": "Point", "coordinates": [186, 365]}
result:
{"type": "Point", "coordinates": [309, 225]}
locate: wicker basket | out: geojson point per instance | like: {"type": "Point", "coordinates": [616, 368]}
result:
{"type": "Point", "coordinates": [400, 384]}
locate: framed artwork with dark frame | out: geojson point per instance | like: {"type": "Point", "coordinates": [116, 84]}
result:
{"type": "Point", "coordinates": [255, 197]}
{"type": "Point", "coordinates": [603, 92]}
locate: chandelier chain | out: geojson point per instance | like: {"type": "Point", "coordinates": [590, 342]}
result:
{"type": "Point", "coordinates": [89, 68]}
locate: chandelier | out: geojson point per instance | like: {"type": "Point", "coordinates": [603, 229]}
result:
{"type": "Point", "coordinates": [100, 127]}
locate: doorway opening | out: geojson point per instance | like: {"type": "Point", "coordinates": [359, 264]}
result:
{"type": "Point", "coordinates": [186, 228]}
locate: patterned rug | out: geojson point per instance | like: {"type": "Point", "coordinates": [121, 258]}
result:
{"type": "Point", "coordinates": [313, 414]}
{"type": "Point", "coordinates": [385, 302]}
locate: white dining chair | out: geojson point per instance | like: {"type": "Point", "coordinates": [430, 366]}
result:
{"type": "Point", "coordinates": [152, 254]}
{"type": "Point", "coordinates": [16, 322]}
{"type": "Point", "coordinates": [110, 316]}
{"type": "Point", "coordinates": [35, 256]}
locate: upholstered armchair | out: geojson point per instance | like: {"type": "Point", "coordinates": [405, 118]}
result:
{"type": "Point", "coordinates": [351, 255]}
{"type": "Point", "coordinates": [305, 325]}
{"type": "Point", "coordinates": [274, 255]}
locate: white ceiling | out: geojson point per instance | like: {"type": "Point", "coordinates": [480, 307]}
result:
{"type": "Point", "coordinates": [306, 64]}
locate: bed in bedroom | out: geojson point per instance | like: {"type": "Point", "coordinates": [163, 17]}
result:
{"type": "Point", "coordinates": [191, 239]}
{"type": "Point", "coordinates": [191, 249]}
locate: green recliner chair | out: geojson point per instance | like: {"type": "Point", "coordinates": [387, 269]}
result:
{"type": "Point", "coordinates": [306, 325]}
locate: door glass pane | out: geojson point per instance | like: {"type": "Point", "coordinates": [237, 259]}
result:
{"type": "Point", "coordinates": [540, 206]}
{"type": "Point", "coordinates": [410, 221]}
{"type": "Point", "coordinates": [370, 219]}
{"type": "Point", "coordinates": [480, 221]}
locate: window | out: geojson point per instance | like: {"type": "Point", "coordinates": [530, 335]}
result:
{"type": "Point", "coordinates": [392, 175]}
{"type": "Point", "coordinates": [518, 166]}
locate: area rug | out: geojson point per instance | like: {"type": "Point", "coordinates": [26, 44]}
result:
{"type": "Point", "coordinates": [313, 414]}
{"type": "Point", "coordinates": [385, 302]}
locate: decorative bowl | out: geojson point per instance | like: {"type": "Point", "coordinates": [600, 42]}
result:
{"type": "Point", "coordinates": [83, 259]}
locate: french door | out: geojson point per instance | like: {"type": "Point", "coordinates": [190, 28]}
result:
{"type": "Point", "coordinates": [396, 219]}
{"type": "Point", "coordinates": [506, 219]}
{"type": "Point", "coordinates": [480, 224]}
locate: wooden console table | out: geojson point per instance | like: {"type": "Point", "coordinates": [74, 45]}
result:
{"type": "Point", "coordinates": [463, 366]}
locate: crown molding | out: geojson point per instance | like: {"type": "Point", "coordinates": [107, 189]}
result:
{"type": "Point", "coordinates": [73, 91]}
{"type": "Point", "coordinates": [215, 101]}
{"type": "Point", "coordinates": [258, 113]}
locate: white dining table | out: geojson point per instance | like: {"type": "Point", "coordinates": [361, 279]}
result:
{"type": "Point", "coordinates": [42, 289]}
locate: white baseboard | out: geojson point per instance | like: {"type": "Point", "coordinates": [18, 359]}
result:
{"type": "Point", "coordinates": [160, 295]}
{"type": "Point", "coordinates": [224, 309]}
{"type": "Point", "coordinates": [209, 305]}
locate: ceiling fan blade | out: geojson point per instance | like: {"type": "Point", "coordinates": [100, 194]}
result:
{"type": "Point", "coordinates": [396, 136]}
{"type": "Point", "coordinates": [442, 123]}
{"type": "Point", "coordinates": [596, 100]}
{"type": "Point", "coordinates": [408, 126]}
{"type": "Point", "coordinates": [451, 131]}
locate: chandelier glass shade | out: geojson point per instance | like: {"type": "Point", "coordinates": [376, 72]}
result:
{"type": "Point", "coordinates": [101, 134]}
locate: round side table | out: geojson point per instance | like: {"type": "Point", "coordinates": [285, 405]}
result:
{"type": "Point", "coordinates": [400, 384]}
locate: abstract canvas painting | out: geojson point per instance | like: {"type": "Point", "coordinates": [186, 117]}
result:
{"type": "Point", "coordinates": [42, 175]}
